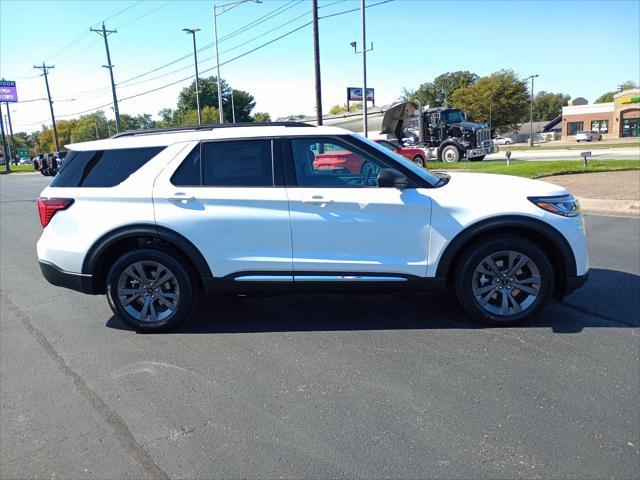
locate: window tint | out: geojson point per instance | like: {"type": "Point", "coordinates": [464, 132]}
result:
{"type": "Point", "coordinates": [245, 163]}
{"type": "Point", "coordinates": [188, 173]}
{"type": "Point", "coordinates": [329, 163]}
{"type": "Point", "coordinates": [102, 168]}
{"type": "Point", "coordinates": [574, 127]}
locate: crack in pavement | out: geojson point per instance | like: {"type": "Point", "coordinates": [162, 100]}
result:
{"type": "Point", "coordinates": [112, 419]}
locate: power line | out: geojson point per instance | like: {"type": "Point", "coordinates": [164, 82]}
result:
{"type": "Point", "coordinates": [145, 14]}
{"type": "Point", "coordinates": [230, 60]}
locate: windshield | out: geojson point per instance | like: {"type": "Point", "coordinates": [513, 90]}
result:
{"type": "Point", "coordinates": [454, 116]}
{"type": "Point", "coordinates": [428, 176]}
{"type": "Point", "coordinates": [387, 144]}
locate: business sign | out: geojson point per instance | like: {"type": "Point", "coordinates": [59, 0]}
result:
{"type": "Point", "coordinates": [8, 92]}
{"type": "Point", "coordinates": [354, 94]}
{"type": "Point", "coordinates": [630, 100]}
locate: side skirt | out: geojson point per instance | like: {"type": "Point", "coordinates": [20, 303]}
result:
{"type": "Point", "coordinates": [318, 282]}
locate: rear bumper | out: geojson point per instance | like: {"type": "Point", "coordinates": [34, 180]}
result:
{"type": "Point", "coordinates": [573, 283]}
{"type": "Point", "coordinates": [80, 282]}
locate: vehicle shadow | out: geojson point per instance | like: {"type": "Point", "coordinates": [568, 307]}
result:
{"type": "Point", "coordinates": [609, 299]}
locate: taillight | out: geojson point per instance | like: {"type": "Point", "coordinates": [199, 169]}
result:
{"type": "Point", "coordinates": [47, 208]}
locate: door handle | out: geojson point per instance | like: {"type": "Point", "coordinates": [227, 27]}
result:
{"type": "Point", "coordinates": [181, 197]}
{"type": "Point", "coordinates": [317, 200]}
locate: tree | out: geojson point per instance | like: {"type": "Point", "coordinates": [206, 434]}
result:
{"type": "Point", "coordinates": [608, 96]}
{"type": "Point", "coordinates": [510, 102]}
{"type": "Point", "coordinates": [261, 117]}
{"type": "Point", "coordinates": [336, 109]}
{"type": "Point", "coordinates": [440, 92]}
{"type": "Point", "coordinates": [547, 105]}
{"type": "Point", "coordinates": [243, 101]}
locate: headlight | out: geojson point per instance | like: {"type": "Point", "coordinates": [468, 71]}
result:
{"type": "Point", "coordinates": [565, 205]}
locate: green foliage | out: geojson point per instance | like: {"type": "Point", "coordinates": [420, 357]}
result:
{"type": "Point", "coordinates": [509, 104]}
{"type": "Point", "coordinates": [261, 117]}
{"type": "Point", "coordinates": [343, 108]}
{"type": "Point", "coordinates": [440, 92]}
{"type": "Point", "coordinates": [243, 101]}
{"type": "Point", "coordinates": [540, 169]}
{"type": "Point", "coordinates": [608, 96]}
{"type": "Point", "coordinates": [605, 97]}
{"type": "Point", "coordinates": [547, 105]}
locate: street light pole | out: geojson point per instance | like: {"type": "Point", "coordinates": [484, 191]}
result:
{"type": "Point", "coordinates": [215, 33]}
{"type": "Point", "coordinates": [193, 31]}
{"type": "Point", "coordinates": [223, 8]}
{"type": "Point", "coordinates": [531, 112]}
{"type": "Point", "coordinates": [233, 109]}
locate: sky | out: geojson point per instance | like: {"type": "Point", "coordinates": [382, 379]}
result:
{"type": "Point", "coordinates": [581, 48]}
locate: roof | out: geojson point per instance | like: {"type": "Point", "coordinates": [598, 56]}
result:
{"type": "Point", "coordinates": [162, 138]}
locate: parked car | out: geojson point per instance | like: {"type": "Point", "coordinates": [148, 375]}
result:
{"type": "Point", "coordinates": [25, 161]}
{"type": "Point", "coordinates": [588, 136]}
{"type": "Point", "coordinates": [502, 141]}
{"type": "Point", "coordinates": [242, 209]}
{"type": "Point", "coordinates": [415, 154]}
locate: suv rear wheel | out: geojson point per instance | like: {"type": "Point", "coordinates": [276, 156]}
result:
{"type": "Point", "coordinates": [149, 290]}
{"type": "Point", "coordinates": [504, 281]}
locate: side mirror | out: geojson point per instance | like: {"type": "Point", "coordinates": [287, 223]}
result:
{"type": "Point", "coordinates": [390, 177]}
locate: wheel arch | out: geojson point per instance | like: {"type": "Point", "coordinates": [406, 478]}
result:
{"type": "Point", "coordinates": [549, 239]}
{"type": "Point", "coordinates": [104, 251]}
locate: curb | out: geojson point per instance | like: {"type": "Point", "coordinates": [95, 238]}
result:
{"type": "Point", "coordinates": [599, 206]}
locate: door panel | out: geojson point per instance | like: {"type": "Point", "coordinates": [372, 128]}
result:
{"type": "Point", "coordinates": [360, 230]}
{"type": "Point", "coordinates": [237, 229]}
{"type": "Point", "coordinates": [341, 222]}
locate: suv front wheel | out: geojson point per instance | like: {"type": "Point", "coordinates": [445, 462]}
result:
{"type": "Point", "coordinates": [149, 290]}
{"type": "Point", "coordinates": [504, 281]}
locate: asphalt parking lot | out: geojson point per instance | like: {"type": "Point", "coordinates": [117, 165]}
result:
{"type": "Point", "coordinates": [317, 386]}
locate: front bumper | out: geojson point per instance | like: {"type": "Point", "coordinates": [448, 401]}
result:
{"type": "Point", "coordinates": [480, 151]}
{"type": "Point", "coordinates": [80, 282]}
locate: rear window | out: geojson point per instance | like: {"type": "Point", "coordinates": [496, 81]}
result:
{"type": "Point", "coordinates": [102, 168]}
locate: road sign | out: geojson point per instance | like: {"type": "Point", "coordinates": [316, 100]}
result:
{"type": "Point", "coordinates": [23, 152]}
{"type": "Point", "coordinates": [8, 92]}
{"type": "Point", "coordinates": [354, 94]}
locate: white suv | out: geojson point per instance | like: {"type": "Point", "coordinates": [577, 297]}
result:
{"type": "Point", "coordinates": [154, 218]}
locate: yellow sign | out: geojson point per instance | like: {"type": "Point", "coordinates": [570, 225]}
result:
{"type": "Point", "coordinates": [630, 100]}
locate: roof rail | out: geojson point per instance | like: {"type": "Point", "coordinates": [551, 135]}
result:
{"type": "Point", "coordinates": [192, 128]}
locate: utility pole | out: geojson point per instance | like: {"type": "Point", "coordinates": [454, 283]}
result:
{"type": "Point", "coordinates": [364, 71]}
{"type": "Point", "coordinates": [45, 72]}
{"type": "Point", "coordinates": [14, 152]}
{"type": "Point", "coordinates": [7, 155]}
{"type": "Point", "coordinates": [233, 109]}
{"type": "Point", "coordinates": [490, 108]}
{"type": "Point", "coordinates": [531, 112]}
{"type": "Point", "coordinates": [95, 122]}
{"type": "Point", "coordinates": [218, 80]}
{"type": "Point", "coordinates": [316, 62]}
{"type": "Point", "coordinates": [104, 33]}
{"type": "Point", "coordinates": [193, 31]}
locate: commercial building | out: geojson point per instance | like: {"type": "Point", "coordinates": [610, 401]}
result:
{"type": "Point", "coordinates": [617, 119]}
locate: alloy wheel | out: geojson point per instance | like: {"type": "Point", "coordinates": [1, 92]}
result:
{"type": "Point", "coordinates": [506, 283]}
{"type": "Point", "coordinates": [148, 291]}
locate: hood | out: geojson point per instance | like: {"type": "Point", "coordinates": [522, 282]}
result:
{"type": "Point", "coordinates": [396, 118]}
{"type": "Point", "coordinates": [497, 187]}
{"type": "Point", "coordinates": [467, 126]}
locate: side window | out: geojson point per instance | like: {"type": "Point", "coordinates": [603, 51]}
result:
{"type": "Point", "coordinates": [102, 168]}
{"type": "Point", "coordinates": [329, 163]}
{"type": "Point", "coordinates": [188, 173]}
{"type": "Point", "coordinates": [238, 163]}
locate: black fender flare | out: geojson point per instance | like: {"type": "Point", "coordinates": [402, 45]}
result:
{"type": "Point", "coordinates": [496, 224]}
{"type": "Point", "coordinates": [156, 232]}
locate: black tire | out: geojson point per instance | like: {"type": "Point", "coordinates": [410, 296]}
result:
{"type": "Point", "coordinates": [450, 154]}
{"type": "Point", "coordinates": [466, 275]}
{"type": "Point", "coordinates": [477, 159]}
{"type": "Point", "coordinates": [181, 284]}
{"type": "Point", "coordinates": [419, 160]}
{"type": "Point", "coordinates": [507, 142]}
